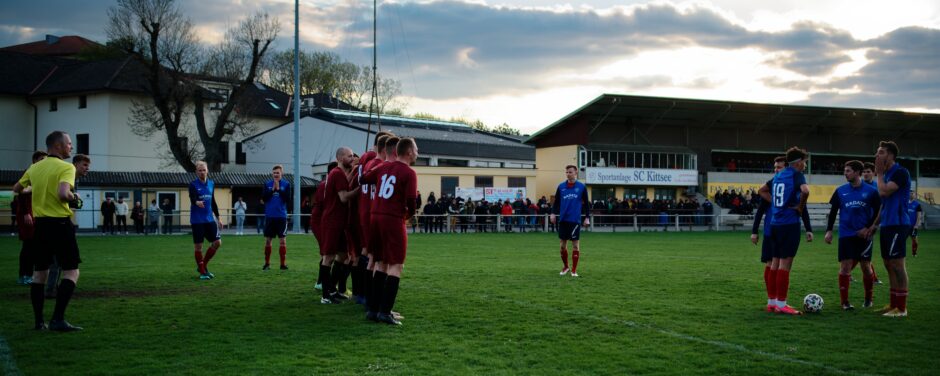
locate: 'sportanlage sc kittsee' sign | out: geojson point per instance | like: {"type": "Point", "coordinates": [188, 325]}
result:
{"type": "Point", "coordinates": [640, 176]}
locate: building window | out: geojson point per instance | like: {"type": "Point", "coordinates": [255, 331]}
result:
{"type": "Point", "coordinates": [240, 156]}
{"type": "Point", "coordinates": [223, 151]}
{"type": "Point", "coordinates": [222, 93]}
{"type": "Point", "coordinates": [517, 182]}
{"type": "Point", "coordinates": [602, 193]}
{"type": "Point", "coordinates": [423, 161]}
{"type": "Point", "coordinates": [53, 104]}
{"type": "Point", "coordinates": [441, 162]}
{"type": "Point", "coordinates": [449, 185]}
{"type": "Point", "coordinates": [82, 143]}
{"type": "Point", "coordinates": [668, 194]}
{"type": "Point", "coordinates": [634, 193]}
{"type": "Point", "coordinates": [82, 101]}
{"type": "Point", "coordinates": [483, 182]}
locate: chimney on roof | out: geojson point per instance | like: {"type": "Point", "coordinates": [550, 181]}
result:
{"type": "Point", "coordinates": [51, 39]}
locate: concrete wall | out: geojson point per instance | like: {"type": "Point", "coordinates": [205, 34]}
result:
{"type": "Point", "coordinates": [16, 121]}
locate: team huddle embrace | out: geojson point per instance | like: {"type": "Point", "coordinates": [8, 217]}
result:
{"type": "Point", "coordinates": [882, 203]}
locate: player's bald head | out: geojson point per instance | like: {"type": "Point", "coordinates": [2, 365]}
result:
{"type": "Point", "coordinates": [342, 152]}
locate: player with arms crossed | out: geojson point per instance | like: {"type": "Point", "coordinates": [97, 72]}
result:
{"type": "Point", "coordinates": [571, 204]}
{"type": "Point", "coordinates": [894, 186]}
{"type": "Point", "coordinates": [395, 201]}
{"type": "Point", "coordinates": [276, 195]}
{"type": "Point", "coordinates": [787, 195]}
{"type": "Point", "coordinates": [52, 181]}
{"type": "Point", "coordinates": [857, 204]}
{"type": "Point", "coordinates": [204, 219]}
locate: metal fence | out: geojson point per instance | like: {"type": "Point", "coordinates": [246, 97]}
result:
{"type": "Point", "coordinates": [178, 222]}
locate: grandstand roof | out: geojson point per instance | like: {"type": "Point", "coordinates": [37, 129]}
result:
{"type": "Point", "coordinates": [68, 45]}
{"type": "Point", "coordinates": [162, 179]}
{"type": "Point", "coordinates": [715, 114]}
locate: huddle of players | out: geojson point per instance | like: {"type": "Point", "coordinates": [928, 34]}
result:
{"type": "Point", "coordinates": [863, 208]}
{"type": "Point", "coordinates": [359, 216]}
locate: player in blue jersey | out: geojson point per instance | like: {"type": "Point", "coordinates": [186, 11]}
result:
{"type": "Point", "coordinates": [276, 195]}
{"type": "Point", "coordinates": [767, 247]}
{"type": "Point", "coordinates": [857, 205]}
{"type": "Point", "coordinates": [894, 186]}
{"type": "Point", "coordinates": [787, 195]}
{"type": "Point", "coordinates": [868, 177]}
{"type": "Point", "coordinates": [204, 218]}
{"type": "Point", "coordinates": [571, 204]}
{"type": "Point", "coordinates": [915, 212]}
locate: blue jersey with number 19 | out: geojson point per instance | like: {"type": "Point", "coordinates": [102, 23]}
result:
{"type": "Point", "coordinates": [894, 207]}
{"type": "Point", "coordinates": [785, 193]}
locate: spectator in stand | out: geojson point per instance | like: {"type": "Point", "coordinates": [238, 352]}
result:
{"type": "Point", "coordinates": [440, 208]}
{"type": "Point", "coordinates": [532, 211]}
{"type": "Point", "coordinates": [452, 211]}
{"type": "Point", "coordinates": [496, 209]}
{"type": "Point", "coordinates": [107, 214]}
{"type": "Point", "coordinates": [418, 203]}
{"type": "Point", "coordinates": [137, 215]}
{"type": "Point", "coordinates": [305, 208]}
{"type": "Point", "coordinates": [506, 212]}
{"type": "Point", "coordinates": [519, 209]}
{"type": "Point", "coordinates": [732, 166]}
{"type": "Point", "coordinates": [431, 199]}
{"type": "Point", "coordinates": [427, 220]}
{"type": "Point", "coordinates": [153, 215]}
{"type": "Point", "coordinates": [167, 209]}
{"type": "Point", "coordinates": [240, 208]}
{"type": "Point", "coordinates": [480, 214]}
{"type": "Point", "coordinates": [120, 211]}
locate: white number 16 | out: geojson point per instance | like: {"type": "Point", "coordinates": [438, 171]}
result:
{"type": "Point", "coordinates": [387, 187]}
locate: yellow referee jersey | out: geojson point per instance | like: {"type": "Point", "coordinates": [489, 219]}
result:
{"type": "Point", "coordinates": [44, 176]}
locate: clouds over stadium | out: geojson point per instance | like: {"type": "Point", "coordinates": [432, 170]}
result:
{"type": "Point", "coordinates": [481, 60]}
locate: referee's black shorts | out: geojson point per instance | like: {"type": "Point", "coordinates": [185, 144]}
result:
{"type": "Point", "coordinates": [55, 237]}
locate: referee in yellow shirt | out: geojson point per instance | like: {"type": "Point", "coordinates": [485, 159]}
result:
{"type": "Point", "coordinates": [52, 180]}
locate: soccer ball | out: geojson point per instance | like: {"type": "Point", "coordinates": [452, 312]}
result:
{"type": "Point", "coordinates": [812, 303]}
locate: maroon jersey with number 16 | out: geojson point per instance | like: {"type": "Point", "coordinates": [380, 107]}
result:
{"type": "Point", "coordinates": [396, 188]}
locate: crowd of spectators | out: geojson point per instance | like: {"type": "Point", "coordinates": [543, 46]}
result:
{"type": "Point", "coordinates": [742, 203]}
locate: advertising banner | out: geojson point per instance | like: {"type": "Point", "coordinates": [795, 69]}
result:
{"type": "Point", "coordinates": [474, 194]}
{"type": "Point", "coordinates": [502, 194]}
{"type": "Point", "coordinates": [641, 176]}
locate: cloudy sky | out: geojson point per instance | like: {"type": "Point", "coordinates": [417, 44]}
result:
{"type": "Point", "coordinates": [528, 63]}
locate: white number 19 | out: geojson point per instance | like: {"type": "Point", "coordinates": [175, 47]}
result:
{"type": "Point", "coordinates": [778, 194]}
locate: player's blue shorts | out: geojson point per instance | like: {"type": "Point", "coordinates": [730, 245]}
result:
{"type": "Point", "coordinates": [855, 248]}
{"type": "Point", "coordinates": [894, 241]}
{"type": "Point", "coordinates": [569, 231]}
{"type": "Point", "coordinates": [205, 231]}
{"type": "Point", "coordinates": [275, 227]}
{"type": "Point", "coordinates": [766, 249]}
{"type": "Point", "coordinates": [786, 239]}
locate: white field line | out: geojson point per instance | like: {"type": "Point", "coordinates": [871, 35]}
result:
{"type": "Point", "coordinates": [7, 363]}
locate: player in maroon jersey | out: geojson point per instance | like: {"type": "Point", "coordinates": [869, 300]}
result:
{"type": "Point", "coordinates": [316, 215]}
{"type": "Point", "coordinates": [363, 273]}
{"type": "Point", "coordinates": [333, 225]}
{"type": "Point", "coordinates": [396, 191]}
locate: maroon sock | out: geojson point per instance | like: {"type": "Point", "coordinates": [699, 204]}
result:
{"type": "Point", "coordinates": [902, 300]}
{"type": "Point", "coordinates": [575, 255]}
{"type": "Point", "coordinates": [783, 284]}
{"type": "Point", "coordinates": [209, 254]}
{"type": "Point", "coordinates": [199, 263]}
{"type": "Point", "coordinates": [564, 256]}
{"type": "Point", "coordinates": [282, 251]}
{"type": "Point", "coordinates": [772, 284]}
{"type": "Point", "coordinates": [267, 254]}
{"type": "Point", "coordinates": [844, 280]}
{"type": "Point", "coordinates": [767, 275]}
{"type": "Point", "coordinates": [869, 287]}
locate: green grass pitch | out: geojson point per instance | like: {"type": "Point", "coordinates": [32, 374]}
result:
{"type": "Point", "coordinates": [647, 303]}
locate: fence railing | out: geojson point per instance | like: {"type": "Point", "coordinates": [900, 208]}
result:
{"type": "Point", "coordinates": [91, 220]}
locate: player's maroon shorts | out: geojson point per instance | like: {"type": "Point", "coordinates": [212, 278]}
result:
{"type": "Point", "coordinates": [333, 240]}
{"type": "Point", "coordinates": [375, 239]}
{"type": "Point", "coordinates": [393, 238]}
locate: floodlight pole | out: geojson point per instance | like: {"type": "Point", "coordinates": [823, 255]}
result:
{"type": "Point", "coordinates": [297, 186]}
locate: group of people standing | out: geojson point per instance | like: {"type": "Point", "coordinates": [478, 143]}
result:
{"type": "Point", "coordinates": [876, 198]}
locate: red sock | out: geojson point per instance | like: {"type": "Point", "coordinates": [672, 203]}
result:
{"type": "Point", "coordinates": [783, 284]}
{"type": "Point", "coordinates": [869, 287]}
{"type": "Point", "coordinates": [874, 277]}
{"type": "Point", "coordinates": [902, 300]}
{"type": "Point", "coordinates": [564, 256]}
{"type": "Point", "coordinates": [283, 252]}
{"type": "Point", "coordinates": [772, 284]}
{"type": "Point", "coordinates": [574, 260]}
{"type": "Point", "coordinates": [844, 280]}
{"type": "Point", "coordinates": [199, 263]}
{"type": "Point", "coordinates": [768, 274]}
{"type": "Point", "coordinates": [894, 298]}
{"type": "Point", "coordinates": [209, 254]}
{"type": "Point", "coordinates": [267, 254]}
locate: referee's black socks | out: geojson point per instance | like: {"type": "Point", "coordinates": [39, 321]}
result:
{"type": "Point", "coordinates": [64, 295]}
{"type": "Point", "coordinates": [37, 295]}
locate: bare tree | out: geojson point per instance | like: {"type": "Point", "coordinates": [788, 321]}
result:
{"type": "Point", "coordinates": [162, 39]}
